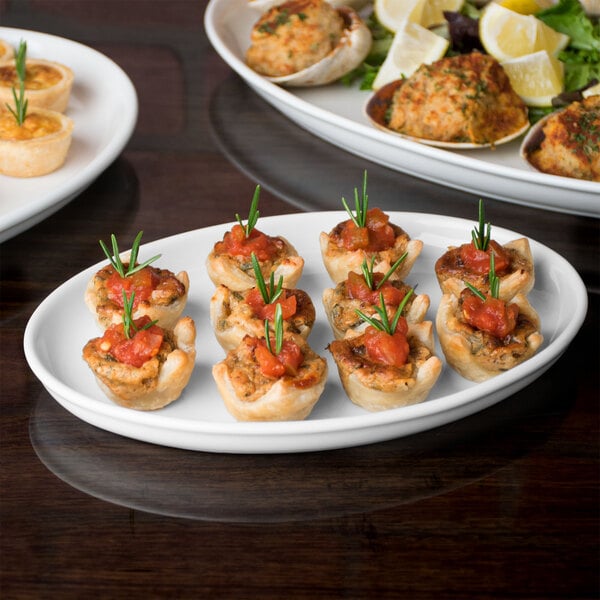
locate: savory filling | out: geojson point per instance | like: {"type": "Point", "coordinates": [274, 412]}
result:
{"type": "Point", "coordinates": [34, 126]}
{"type": "Point", "coordinates": [37, 76]}
{"type": "Point", "coordinates": [294, 36]}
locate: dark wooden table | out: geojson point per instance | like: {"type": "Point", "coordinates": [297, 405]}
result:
{"type": "Point", "coordinates": [503, 504]}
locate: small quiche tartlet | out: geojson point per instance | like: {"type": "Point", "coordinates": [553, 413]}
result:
{"type": "Point", "coordinates": [470, 263]}
{"type": "Point", "coordinates": [229, 262]}
{"type": "Point", "coordinates": [234, 315]}
{"type": "Point", "coordinates": [277, 380]}
{"type": "Point", "coordinates": [367, 234]}
{"type": "Point", "coordinates": [47, 84]}
{"type": "Point", "coordinates": [482, 338]}
{"type": "Point", "coordinates": [146, 368]}
{"type": "Point", "coordinates": [160, 294]}
{"type": "Point", "coordinates": [362, 292]}
{"type": "Point", "coordinates": [388, 365]}
{"type": "Point", "coordinates": [37, 147]}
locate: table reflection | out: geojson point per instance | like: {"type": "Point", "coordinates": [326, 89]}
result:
{"type": "Point", "coordinates": [289, 487]}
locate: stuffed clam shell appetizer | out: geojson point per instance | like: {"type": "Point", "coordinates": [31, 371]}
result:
{"type": "Point", "coordinates": [460, 102]}
{"type": "Point", "coordinates": [307, 43]}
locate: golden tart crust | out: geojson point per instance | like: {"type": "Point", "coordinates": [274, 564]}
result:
{"type": "Point", "coordinates": [47, 84]}
{"type": "Point", "coordinates": [158, 382]}
{"type": "Point", "coordinates": [38, 147]}
{"type": "Point", "coordinates": [250, 396]}
{"type": "Point", "coordinates": [477, 355]}
{"type": "Point", "coordinates": [376, 387]}
{"type": "Point", "coordinates": [7, 52]}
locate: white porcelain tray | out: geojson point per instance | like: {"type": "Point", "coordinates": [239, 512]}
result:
{"type": "Point", "coordinates": [335, 113]}
{"type": "Point", "coordinates": [61, 325]}
{"type": "Point", "coordinates": [104, 107]}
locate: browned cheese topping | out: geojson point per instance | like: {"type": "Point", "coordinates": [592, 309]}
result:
{"type": "Point", "coordinates": [571, 144]}
{"type": "Point", "coordinates": [37, 77]}
{"type": "Point", "coordinates": [34, 126]}
{"type": "Point", "coordinates": [293, 36]}
{"type": "Point", "coordinates": [464, 98]}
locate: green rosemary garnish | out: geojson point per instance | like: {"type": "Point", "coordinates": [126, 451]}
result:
{"type": "Point", "coordinates": [384, 323]}
{"type": "Point", "coordinates": [360, 219]}
{"type": "Point", "coordinates": [278, 326]}
{"type": "Point", "coordinates": [115, 259]}
{"type": "Point", "coordinates": [492, 278]}
{"type": "Point", "coordinates": [20, 110]}
{"type": "Point", "coordinates": [367, 271]}
{"type": "Point", "coordinates": [481, 237]}
{"type": "Point", "coordinates": [253, 214]}
{"type": "Point", "coordinates": [128, 323]}
{"type": "Point", "coordinates": [269, 296]}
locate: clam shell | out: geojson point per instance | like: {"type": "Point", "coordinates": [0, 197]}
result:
{"type": "Point", "coordinates": [533, 140]}
{"type": "Point", "coordinates": [264, 5]}
{"type": "Point", "coordinates": [380, 102]}
{"type": "Point", "coordinates": [351, 50]}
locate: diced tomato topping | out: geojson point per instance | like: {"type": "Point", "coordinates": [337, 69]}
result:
{"type": "Point", "coordinates": [494, 316]}
{"type": "Point", "coordinates": [267, 311]}
{"type": "Point", "coordinates": [235, 242]}
{"type": "Point", "coordinates": [478, 261]}
{"type": "Point", "coordinates": [142, 283]}
{"type": "Point", "coordinates": [377, 234]}
{"type": "Point", "coordinates": [357, 288]}
{"type": "Point", "coordinates": [388, 349]}
{"type": "Point", "coordinates": [136, 350]}
{"type": "Point", "coordinates": [286, 362]}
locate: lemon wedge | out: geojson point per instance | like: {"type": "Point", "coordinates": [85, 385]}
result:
{"type": "Point", "coordinates": [433, 11]}
{"type": "Point", "coordinates": [506, 34]}
{"type": "Point", "coordinates": [536, 77]}
{"type": "Point", "coordinates": [392, 14]}
{"type": "Point", "coordinates": [412, 46]}
{"type": "Point", "coordinates": [524, 7]}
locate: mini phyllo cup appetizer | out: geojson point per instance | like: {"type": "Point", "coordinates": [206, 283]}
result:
{"type": "Point", "coordinates": [482, 335]}
{"type": "Point", "coordinates": [160, 295]}
{"type": "Point", "coordinates": [229, 262]}
{"type": "Point", "coordinates": [360, 293]}
{"type": "Point", "coordinates": [367, 234]}
{"type": "Point", "coordinates": [389, 365]}
{"type": "Point", "coordinates": [46, 84]}
{"type": "Point", "coordinates": [34, 141]}
{"type": "Point", "coordinates": [234, 315]}
{"type": "Point", "coordinates": [271, 378]}
{"type": "Point", "coordinates": [470, 263]}
{"type": "Point", "coordinates": [140, 365]}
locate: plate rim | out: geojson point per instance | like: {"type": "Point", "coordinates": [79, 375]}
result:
{"type": "Point", "coordinates": [26, 214]}
{"type": "Point", "coordinates": [297, 429]}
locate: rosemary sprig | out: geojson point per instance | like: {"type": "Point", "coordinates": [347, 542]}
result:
{"type": "Point", "coordinates": [384, 323]}
{"type": "Point", "coordinates": [128, 323]}
{"type": "Point", "coordinates": [274, 292]}
{"type": "Point", "coordinates": [361, 205]}
{"type": "Point", "coordinates": [492, 278]}
{"type": "Point", "coordinates": [117, 263]}
{"type": "Point", "coordinates": [480, 236]}
{"type": "Point", "coordinates": [367, 271]}
{"type": "Point", "coordinates": [278, 326]}
{"type": "Point", "coordinates": [19, 112]}
{"type": "Point", "coordinates": [253, 214]}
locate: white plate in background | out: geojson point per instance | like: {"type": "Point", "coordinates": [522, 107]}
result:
{"type": "Point", "coordinates": [104, 108]}
{"type": "Point", "coordinates": [198, 420]}
{"type": "Point", "coordinates": [335, 113]}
